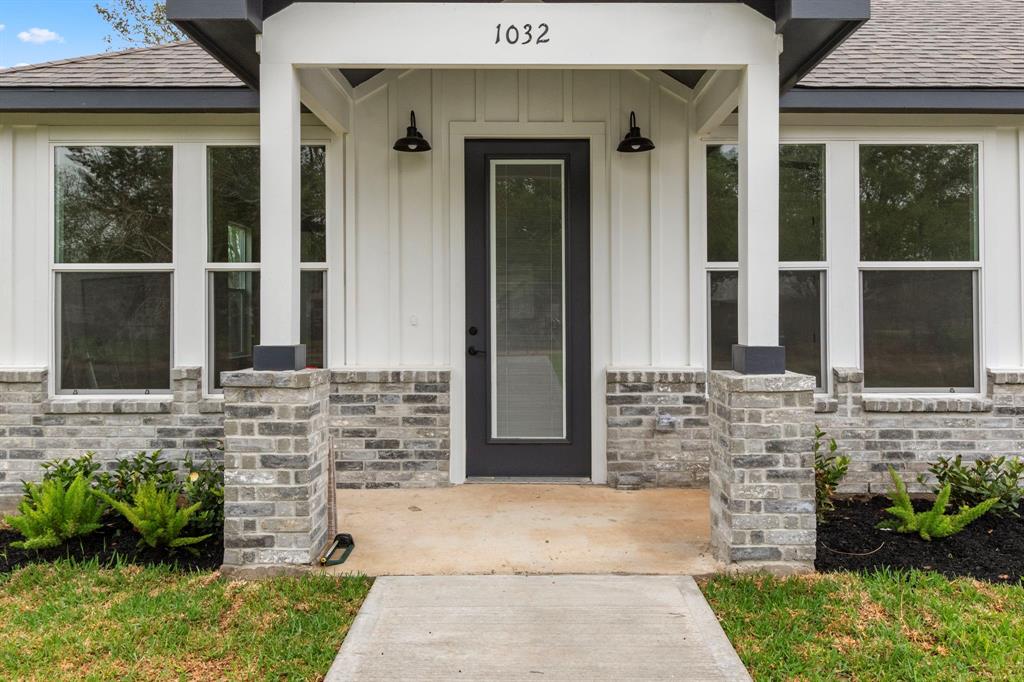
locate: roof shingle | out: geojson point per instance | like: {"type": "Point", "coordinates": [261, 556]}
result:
{"type": "Point", "coordinates": [930, 44]}
{"type": "Point", "coordinates": [175, 65]}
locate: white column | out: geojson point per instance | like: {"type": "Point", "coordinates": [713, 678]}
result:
{"type": "Point", "coordinates": [190, 191]}
{"type": "Point", "coordinates": [7, 328]}
{"type": "Point", "coordinates": [759, 206]}
{"type": "Point", "coordinates": [279, 204]}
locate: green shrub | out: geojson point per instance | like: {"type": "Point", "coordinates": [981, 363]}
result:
{"type": "Point", "coordinates": [156, 516]}
{"type": "Point", "coordinates": [204, 484]}
{"type": "Point", "coordinates": [998, 478]}
{"type": "Point", "coordinates": [53, 512]}
{"type": "Point", "coordinates": [829, 469]}
{"type": "Point", "coordinates": [934, 523]}
{"type": "Point", "coordinates": [67, 470]}
{"type": "Point", "coordinates": [121, 483]}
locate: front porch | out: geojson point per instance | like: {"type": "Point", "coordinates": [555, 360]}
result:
{"type": "Point", "coordinates": [526, 529]}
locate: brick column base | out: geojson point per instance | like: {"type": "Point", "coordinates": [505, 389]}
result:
{"type": "Point", "coordinates": [762, 471]}
{"type": "Point", "coordinates": [276, 459]}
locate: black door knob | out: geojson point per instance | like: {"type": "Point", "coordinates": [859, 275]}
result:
{"type": "Point", "coordinates": [472, 350]}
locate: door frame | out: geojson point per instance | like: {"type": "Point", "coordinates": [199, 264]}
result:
{"type": "Point", "coordinates": [600, 273]}
{"type": "Point", "coordinates": [530, 457]}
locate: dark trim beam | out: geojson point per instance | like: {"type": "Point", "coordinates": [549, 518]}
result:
{"type": "Point", "coordinates": [904, 100]}
{"type": "Point", "coordinates": [148, 100]}
{"type": "Point", "coordinates": [811, 30]}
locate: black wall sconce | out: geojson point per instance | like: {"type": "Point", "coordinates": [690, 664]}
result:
{"type": "Point", "coordinates": [634, 141]}
{"type": "Point", "coordinates": [413, 140]}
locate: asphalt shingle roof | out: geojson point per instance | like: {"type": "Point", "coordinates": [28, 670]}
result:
{"type": "Point", "coordinates": [175, 65]}
{"type": "Point", "coordinates": [906, 44]}
{"type": "Point", "coordinates": [929, 44]}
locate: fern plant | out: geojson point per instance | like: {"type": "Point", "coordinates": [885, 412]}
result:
{"type": "Point", "coordinates": [53, 512]}
{"type": "Point", "coordinates": [934, 523]}
{"type": "Point", "coordinates": [156, 516]}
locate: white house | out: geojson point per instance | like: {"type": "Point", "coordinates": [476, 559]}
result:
{"type": "Point", "coordinates": [406, 244]}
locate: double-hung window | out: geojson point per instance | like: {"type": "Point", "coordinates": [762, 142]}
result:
{"type": "Point", "coordinates": [113, 265]}
{"type": "Point", "coordinates": [802, 268]}
{"type": "Point", "coordinates": [919, 266]}
{"type": "Point", "coordinates": [233, 188]}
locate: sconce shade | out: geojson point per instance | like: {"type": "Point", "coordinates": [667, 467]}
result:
{"type": "Point", "coordinates": [413, 140]}
{"type": "Point", "coordinates": [633, 141]}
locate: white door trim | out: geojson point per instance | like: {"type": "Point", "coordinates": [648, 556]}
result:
{"type": "Point", "coordinates": [600, 283]}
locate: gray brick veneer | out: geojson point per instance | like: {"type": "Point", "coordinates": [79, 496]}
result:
{"type": "Point", "coordinates": [879, 431]}
{"type": "Point", "coordinates": [276, 467]}
{"type": "Point", "coordinates": [35, 428]}
{"type": "Point", "coordinates": [674, 457]}
{"type": "Point", "coordinates": [391, 428]}
{"type": "Point", "coordinates": [762, 471]}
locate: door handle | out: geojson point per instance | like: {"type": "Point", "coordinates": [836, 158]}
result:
{"type": "Point", "coordinates": [473, 350]}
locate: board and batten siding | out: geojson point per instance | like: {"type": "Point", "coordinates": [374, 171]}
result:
{"type": "Point", "coordinates": [400, 266]}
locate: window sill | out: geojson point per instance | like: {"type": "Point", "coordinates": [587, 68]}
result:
{"type": "Point", "coordinates": [81, 405]}
{"type": "Point", "coordinates": [917, 403]}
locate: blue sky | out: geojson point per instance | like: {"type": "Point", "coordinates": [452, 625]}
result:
{"type": "Point", "coordinates": [43, 30]}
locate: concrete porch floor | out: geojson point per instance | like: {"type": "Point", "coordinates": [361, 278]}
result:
{"type": "Point", "coordinates": [526, 528]}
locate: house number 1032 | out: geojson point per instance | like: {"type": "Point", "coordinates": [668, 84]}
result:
{"type": "Point", "coordinates": [521, 35]}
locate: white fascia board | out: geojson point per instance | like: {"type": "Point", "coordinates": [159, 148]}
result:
{"type": "Point", "coordinates": [717, 100]}
{"type": "Point", "coordinates": [466, 35]}
{"type": "Point", "coordinates": [324, 96]}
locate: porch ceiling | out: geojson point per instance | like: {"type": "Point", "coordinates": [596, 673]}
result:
{"type": "Point", "coordinates": [811, 29]}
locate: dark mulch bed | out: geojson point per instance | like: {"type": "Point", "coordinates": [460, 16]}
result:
{"type": "Point", "coordinates": [991, 548]}
{"type": "Point", "coordinates": [115, 543]}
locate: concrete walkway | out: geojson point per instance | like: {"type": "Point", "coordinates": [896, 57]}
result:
{"type": "Point", "coordinates": [502, 528]}
{"type": "Point", "coordinates": [567, 627]}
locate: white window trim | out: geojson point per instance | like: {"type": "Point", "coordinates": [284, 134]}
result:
{"type": "Point", "coordinates": [937, 138]}
{"type": "Point", "coordinates": [843, 265]}
{"type": "Point", "coordinates": [333, 241]}
{"type": "Point", "coordinates": [824, 266]}
{"type": "Point", "coordinates": [55, 269]}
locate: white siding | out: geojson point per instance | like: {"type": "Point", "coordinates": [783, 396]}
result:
{"type": "Point", "coordinates": [401, 308]}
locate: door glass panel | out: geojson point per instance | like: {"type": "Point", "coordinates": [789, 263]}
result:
{"type": "Point", "coordinates": [527, 251]}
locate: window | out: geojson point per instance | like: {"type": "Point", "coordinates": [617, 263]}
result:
{"type": "Point", "coordinates": [113, 260]}
{"type": "Point", "coordinates": [234, 254]}
{"type": "Point", "coordinates": [801, 248]}
{"type": "Point", "coordinates": [919, 266]}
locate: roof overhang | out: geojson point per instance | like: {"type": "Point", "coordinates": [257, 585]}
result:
{"type": "Point", "coordinates": [811, 29]}
{"type": "Point", "coordinates": [130, 100]}
{"type": "Point", "coordinates": [903, 100]}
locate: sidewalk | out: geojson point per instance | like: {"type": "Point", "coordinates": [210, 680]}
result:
{"type": "Point", "coordinates": [561, 627]}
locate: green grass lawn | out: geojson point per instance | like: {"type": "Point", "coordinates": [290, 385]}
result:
{"type": "Point", "coordinates": [65, 621]}
{"type": "Point", "coordinates": [878, 626]}
{"type": "Point", "coordinates": [68, 621]}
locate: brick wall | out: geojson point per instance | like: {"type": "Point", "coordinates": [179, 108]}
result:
{"type": "Point", "coordinates": [762, 470]}
{"type": "Point", "coordinates": [276, 464]}
{"type": "Point", "coordinates": [641, 453]}
{"type": "Point", "coordinates": [390, 428]}
{"type": "Point", "coordinates": [879, 431]}
{"type": "Point", "coordinates": [35, 428]}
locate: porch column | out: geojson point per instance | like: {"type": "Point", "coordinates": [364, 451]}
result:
{"type": "Point", "coordinates": [280, 141]}
{"type": "Point", "coordinates": [758, 351]}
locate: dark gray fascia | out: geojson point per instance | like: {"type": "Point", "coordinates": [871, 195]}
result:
{"type": "Point", "coordinates": [819, 10]}
{"type": "Point", "coordinates": [227, 29]}
{"type": "Point", "coordinates": [904, 100]}
{"type": "Point", "coordinates": [147, 100]}
{"type": "Point", "coordinates": [811, 30]}
{"type": "Point", "coordinates": [216, 10]}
